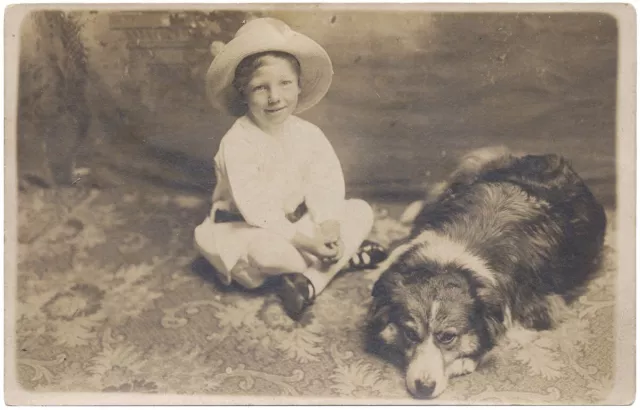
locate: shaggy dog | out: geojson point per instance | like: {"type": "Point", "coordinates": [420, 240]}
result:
{"type": "Point", "coordinates": [506, 240]}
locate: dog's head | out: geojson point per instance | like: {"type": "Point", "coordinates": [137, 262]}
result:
{"type": "Point", "coordinates": [432, 315]}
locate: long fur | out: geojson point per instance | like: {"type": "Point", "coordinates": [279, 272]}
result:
{"type": "Point", "coordinates": [506, 239]}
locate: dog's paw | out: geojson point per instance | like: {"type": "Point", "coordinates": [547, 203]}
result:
{"type": "Point", "coordinates": [460, 367]}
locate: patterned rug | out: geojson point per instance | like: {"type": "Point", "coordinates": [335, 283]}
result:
{"type": "Point", "coordinates": [112, 297]}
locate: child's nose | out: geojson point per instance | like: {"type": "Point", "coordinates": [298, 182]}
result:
{"type": "Point", "coordinates": [274, 95]}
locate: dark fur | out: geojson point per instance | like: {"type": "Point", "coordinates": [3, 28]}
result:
{"type": "Point", "coordinates": [530, 219]}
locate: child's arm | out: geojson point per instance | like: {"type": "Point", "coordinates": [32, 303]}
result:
{"type": "Point", "coordinates": [326, 187]}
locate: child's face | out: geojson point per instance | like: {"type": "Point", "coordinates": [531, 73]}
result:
{"type": "Point", "coordinates": [272, 93]}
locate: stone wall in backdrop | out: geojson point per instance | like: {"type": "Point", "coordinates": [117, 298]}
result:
{"type": "Point", "coordinates": [94, 85]}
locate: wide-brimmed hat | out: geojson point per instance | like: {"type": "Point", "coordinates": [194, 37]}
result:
{"type": "Point", "coordinates": [268, 34]}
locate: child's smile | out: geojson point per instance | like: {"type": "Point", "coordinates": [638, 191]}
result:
{"type": "Point", "coordinates": [272, 93]}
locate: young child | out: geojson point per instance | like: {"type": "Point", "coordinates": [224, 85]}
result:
{"type": "Point", "coordinates": [279, 205]}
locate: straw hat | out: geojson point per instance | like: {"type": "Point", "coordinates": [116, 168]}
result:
{"type": "Point", "coordinates": [268, 34]}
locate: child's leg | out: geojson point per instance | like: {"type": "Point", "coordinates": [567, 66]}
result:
{"type": "Point", "coordinates": [268, 254]}
{"type": "Point", "coordinates": [300, 288]}
{"type": "Point", "coordinates": [274, 255]}
{"type": "Point", "coordinates": [246, 254]}
{"type": "Point", "coordinates": [355, 225]}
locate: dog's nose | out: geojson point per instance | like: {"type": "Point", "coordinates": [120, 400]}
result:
{"type": "Point", "coordinates": [424, 390]}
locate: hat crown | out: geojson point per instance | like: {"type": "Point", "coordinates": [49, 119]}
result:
{"type": "Point", "coordinates": [264, 26]}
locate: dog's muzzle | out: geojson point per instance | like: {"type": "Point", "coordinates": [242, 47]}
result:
{"type": "Point", "coordinates": [425, 376]}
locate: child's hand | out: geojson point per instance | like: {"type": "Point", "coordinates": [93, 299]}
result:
{"type": "Point", "coordinates": [326, 251]}
{"type": "Point", "coordinates": [330, 231]}
{"type": "Point", "coordinates": [316, 246]}
{"type": "Point", "coordinates": [338, 246]}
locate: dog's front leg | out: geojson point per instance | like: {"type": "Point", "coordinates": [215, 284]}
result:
{"type": "Point", "coordinates": [462, 366]}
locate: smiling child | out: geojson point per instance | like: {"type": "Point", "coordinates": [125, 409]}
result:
{"type": "Point", "coordinates": [279, 207]}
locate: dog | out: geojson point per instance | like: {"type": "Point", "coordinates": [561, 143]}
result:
{"type": "Point", "coordinates": [508, 239]}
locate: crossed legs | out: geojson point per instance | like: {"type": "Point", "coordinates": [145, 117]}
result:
{"type": "Point", "coordinates": [266, 254]}
{"type": "Point", "coordinates": [273, 255]}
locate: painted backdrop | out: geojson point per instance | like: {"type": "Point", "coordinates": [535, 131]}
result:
{"type": "Point", "coordinates": [411, 92]}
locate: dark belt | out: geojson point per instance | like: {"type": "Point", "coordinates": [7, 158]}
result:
{"type": "Point", "coordinates": [222, 216]}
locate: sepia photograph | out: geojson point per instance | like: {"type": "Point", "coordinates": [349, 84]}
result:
{"type": "Point", "coordinates": [320, 204]}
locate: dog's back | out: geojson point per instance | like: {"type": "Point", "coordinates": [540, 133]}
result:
{"type": "Point", "coordinates": [534, 222]}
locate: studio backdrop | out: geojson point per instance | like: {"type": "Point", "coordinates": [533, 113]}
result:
{"type": "Point", "coordinates": [122, 93]}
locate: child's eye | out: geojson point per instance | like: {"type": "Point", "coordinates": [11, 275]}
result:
{"type": "Point", "coordinates": [258, 88]}
{"type": "Point", "coordinates": [286, 82]}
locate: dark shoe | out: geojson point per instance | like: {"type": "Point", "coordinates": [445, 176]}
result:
{"type": "Point", "coordinates": [368, 256]}
{"type": "Point", "coordinates": [297, 293]}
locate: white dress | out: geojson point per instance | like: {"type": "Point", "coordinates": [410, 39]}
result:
{"type": "Point", "coordinates": [264, 178]}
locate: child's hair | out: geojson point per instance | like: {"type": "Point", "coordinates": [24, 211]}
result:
{"type": "Point", "coordinates": [250, 64]}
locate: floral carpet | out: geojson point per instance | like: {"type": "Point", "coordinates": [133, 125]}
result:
{"type": "Point", "coordinates": [112, 297]}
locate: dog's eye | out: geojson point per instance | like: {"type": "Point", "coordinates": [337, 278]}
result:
{"type": "Point", "coordinates": [411, 335]}
{"type": "Point", "coordinates": [446, 337]}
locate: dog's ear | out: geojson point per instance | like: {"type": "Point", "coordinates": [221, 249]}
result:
{"type": "Point", "coordinates": [491, 313]}
{"type": "Point", "coordinates": [484, 287]}
{"type": "Point", "coordinates": [382, 332]}
{"type": "Point", "coordinates": [380, 310]}
{"type": "Point", "coordinates": [382, 335]}
{"type": "Point", "coordinates": [386, 283]}
{"type": "Point", "coordinates": [378, 317]}
{"type": "Point", "coordinates": [494, 320]}
{"type": "Point", "coordinates": [490, 305]}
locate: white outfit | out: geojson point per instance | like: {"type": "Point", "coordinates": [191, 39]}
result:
{"type": "Point", "coordinates": [264, 178]}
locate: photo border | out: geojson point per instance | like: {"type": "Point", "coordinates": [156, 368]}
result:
{"type": "Point", "coordinates": [624, 385]}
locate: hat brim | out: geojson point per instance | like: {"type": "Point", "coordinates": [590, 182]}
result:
{"type": "Point", "coordinates": [315, 65]}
